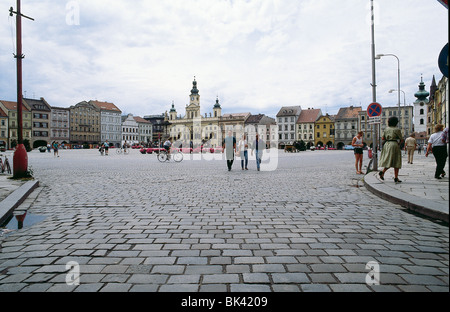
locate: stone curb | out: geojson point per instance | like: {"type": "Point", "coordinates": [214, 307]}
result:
{"type": "Point", "coordinates": [16, 198]}
{"type": "Point", "coordinates": [419, 205]}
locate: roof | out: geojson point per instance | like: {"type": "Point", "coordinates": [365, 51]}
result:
{"type": "Point", "coordinates": [236, 115]}
{"type": "Point", "coordinates": [348, 112]}
{"type": "Point", "coordinates": [286, 111]}
{"type": "Point", "coordinates": [106, 106]}
{"type": "Point", "coordinates": [38, 105]}
{"type": "Point", "coordinates": [309, 115]}
{"type": "Point", "coordinates": [13, 106]}
{"type": "Point", "coordinates": [2, 113]}
{"type": "Point", "coordinates": [255, 118]}
{"type": "Point", "coordinates": [141, 120]}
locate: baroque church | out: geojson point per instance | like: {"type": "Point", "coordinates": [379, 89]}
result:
{"type": "Point", "coordinates": [194, 129]}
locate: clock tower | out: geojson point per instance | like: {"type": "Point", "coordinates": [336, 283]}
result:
{"type": "Point", "coordinates": [193, 109]}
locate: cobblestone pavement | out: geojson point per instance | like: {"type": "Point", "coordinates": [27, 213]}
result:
{"type": "Point", "coordinates": [134, 224]}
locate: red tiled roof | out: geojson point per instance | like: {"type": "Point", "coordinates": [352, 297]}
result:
{"type": "Point", "coordinates": [13, 106]}
{"type": "Point", "coordinates": [348, 112]}
{"type": "Point", "coordinates": [141, 120]}
{"type": "Point", "coordinates": [309, 115]}
{"type": "Point", "coordinates": [106, 106]}
{"type": "Point", "coordinates": [2, 113]}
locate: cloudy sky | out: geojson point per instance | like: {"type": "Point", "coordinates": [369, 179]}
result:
{"type": "Point", "coordinates": [256, 55]}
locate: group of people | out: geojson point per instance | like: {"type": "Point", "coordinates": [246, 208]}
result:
{"type": "Point", "coordinates": [230, 148]}
{"type": "Point", "coordinates": [391, 156]}
{"type": "Point", "coordinates": [55, 147]}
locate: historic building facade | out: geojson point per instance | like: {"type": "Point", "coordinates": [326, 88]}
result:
{"type": "Point", "coordinates": [194, 129]}
{"type": "Point", "coordinates": [346, 125]}
{"type": "Point", "coordinates": [60, 125]}
{"type": "Point", "coordinates": [85, 120]}
{"type": "Point", "coordinates": [10, 109]}
{"type": "Point", "coordinates": [287, 119]}
{"type": "Point", "coordinates": [306, 125]}
{"type": "Point", "coordinates": [111, 123]}
{"type": "Point", "coordinates": [325, 131]}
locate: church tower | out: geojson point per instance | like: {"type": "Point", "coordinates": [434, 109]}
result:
{"type": "Point", "coordinates": [173, 112]}
{"type": "Point", "coordinates": [421, 108]}
{"type": "Point", "coordinates": [217, 109]}
{"type": "Point", "coordinates": [193, 109]}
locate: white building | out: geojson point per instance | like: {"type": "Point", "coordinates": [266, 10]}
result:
{"type": "Point", "coordinates": [145, 129]}
{"type": "Point", "coordinates": [111, 123]}
{"type": "Point", "coordinates": [130, 130]}
{"type": "Point", "coordinates": [287, 125]}
{"type": "Point", "coordinates": [60, 125]}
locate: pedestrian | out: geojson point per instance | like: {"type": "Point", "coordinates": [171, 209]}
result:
{"type": "Point", "coordinates": [106, 147]}
{"type": "Point", "coordinates": [425, 147]}
{"type": "Point", "coordinates": [49, 147]}
{"type": "Point", "coordinates": [258, 146]}
{"type": "Point", "coordinates": [243, 152]}
{"type": "Point", "coordinates": [437, 144]}
{"type": "Point", "coordinates": [419, 150]}
{"type": "Point", "coordinates": [410, 147]}
{"type": "Point", "coordinates": [358, 145]}
{"type": "Point", "coordinates": [391, 154]}
{"type": "Point", "coordinates": [229, 148]}
{"type": "Point", "coordinates": [55, 149]}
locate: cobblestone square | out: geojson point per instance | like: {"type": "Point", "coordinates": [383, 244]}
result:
{"type": "Point", "coordinates": [135, 224]}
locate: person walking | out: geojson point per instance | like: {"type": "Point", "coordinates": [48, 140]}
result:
{"type": "Point", "coordinates": [243, 152]}
{"type": "Point", "coordinates": [437, 144]}
{"type": "Point", "coordinates": [55, 149]}
{"type": "Point", "coordinates": [258, 147]}
{"type": "Point", "coordinates": [229, 147]}
{"type": "Point", "coordinates": [410, 147]}
{"type": "Point", "coordinates": [358, 145]}
{"type": "Point", "coordinates": [106, 147]}
{"type": "Point", "coordinates": [391, 154]}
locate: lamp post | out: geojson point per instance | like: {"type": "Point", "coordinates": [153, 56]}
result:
{"type": "Point", "coordinates": [374, 88]}
{"type": "Point", "coordinates": [379, 56]}
{"type": "Point", "coordinates": [20, 157]}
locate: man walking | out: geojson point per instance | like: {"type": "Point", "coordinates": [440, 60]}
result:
{"type": "Point", "coordinates": [410, 147]}
{"type": "Point", "coordinates": [229, 147]}
{"type": "Point", "coordinates": [258, 146]}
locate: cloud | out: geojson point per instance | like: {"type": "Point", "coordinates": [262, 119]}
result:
{"type": "Point", "coordinates": [257, 55]}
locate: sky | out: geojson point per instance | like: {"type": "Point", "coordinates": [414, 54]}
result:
{"type": "Point", "coordinates": [254, 55]}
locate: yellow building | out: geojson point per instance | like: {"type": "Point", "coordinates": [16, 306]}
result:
{"type": "Point", "coordinates": [10, 108]}
{"type": "Point", "coordinates": [325, 131]}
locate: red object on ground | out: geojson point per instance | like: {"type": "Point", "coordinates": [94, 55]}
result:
{"type": "Point", "coordinates": [20, 161]}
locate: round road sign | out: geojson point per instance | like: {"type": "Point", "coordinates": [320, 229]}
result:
{"type": "Point", "coordinates": [374, 110]}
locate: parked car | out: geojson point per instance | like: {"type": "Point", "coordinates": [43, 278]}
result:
{"type": "Point", "coordinates": [348, 147]}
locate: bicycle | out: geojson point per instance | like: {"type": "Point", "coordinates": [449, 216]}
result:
{"type": "Point", "coordinates": [4, 165]}
{"type": "Point", "coordinates": [124, 151]}
{"type": "Point", "coordinates": [176, 155]}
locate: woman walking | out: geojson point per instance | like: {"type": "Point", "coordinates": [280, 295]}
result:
{"type": "Point", "coordinates": [358, 145]}
{"type": "Point", "coordinates": [438, 145]}
{"type": "Point", "coordinates": [243, 152]}
{"type": "Point", "coordinates": [391, 155]}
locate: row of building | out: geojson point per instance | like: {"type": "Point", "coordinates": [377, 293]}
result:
{"type": "Point", "coordinates": [94, 122]}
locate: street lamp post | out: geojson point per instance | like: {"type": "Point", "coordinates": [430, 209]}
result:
{"type": "Point", "coordinates": [374, 88]}
{"type": "Point", "coordinates": [379, 56]}
{"type": "Point", "coordinates": [20, 158]}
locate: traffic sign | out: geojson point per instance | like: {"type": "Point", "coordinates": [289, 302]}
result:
{"type": "Point", "coordinates": [443, 61]}
{"type": "Point", "coordinates": [374, 120]}
{"type": "Point", "coordinates": [374, 110]}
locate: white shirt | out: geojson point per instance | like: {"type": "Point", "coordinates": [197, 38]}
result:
{"type": "Point", "coordinates": [436, 139]}
{"type": "Point", "coordinates": [242, 144]}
